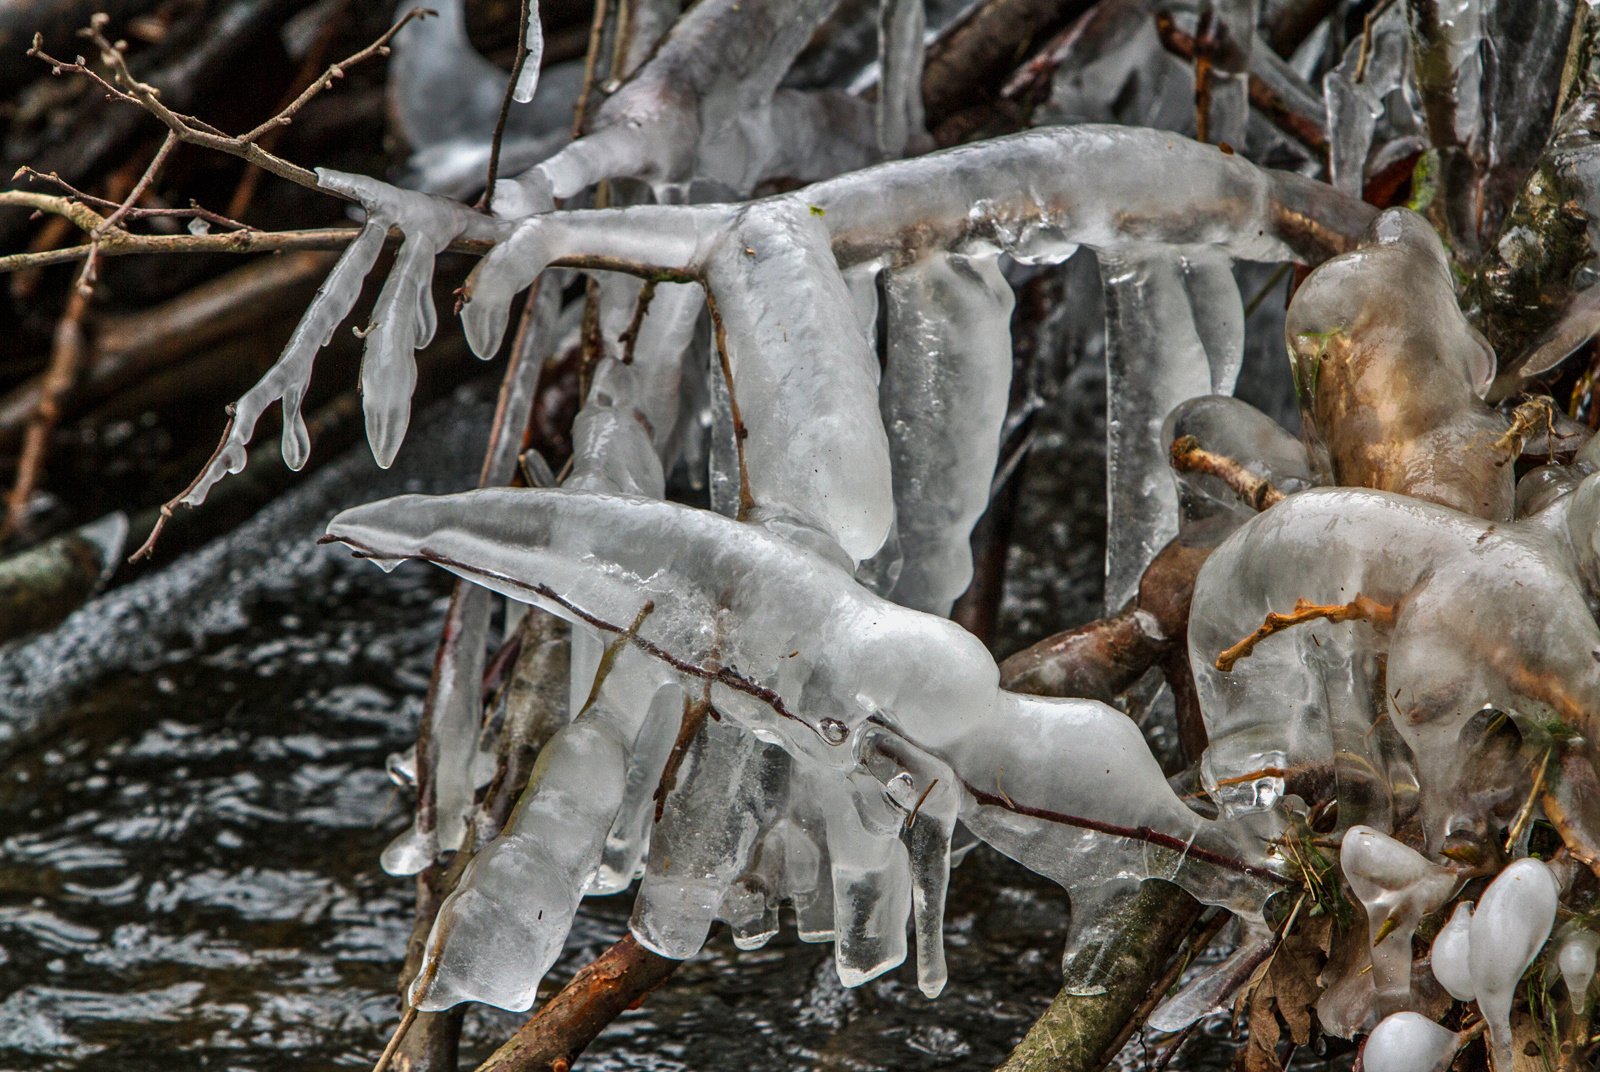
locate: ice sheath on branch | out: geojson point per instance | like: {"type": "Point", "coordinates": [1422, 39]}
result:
{"type": "Point", "coordinates": [936, 693]}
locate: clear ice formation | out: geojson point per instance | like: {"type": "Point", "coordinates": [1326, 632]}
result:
{"type": "Point", "coordinates": [1488, 615]}
{"type": "Point", "coordinates": [1381, 323]}
{"type": "Point", "coordinates": [1508, 929]}
{"type": "Point", "coordinates": [403, 321]}
{"type": "Point", "coordinates": [1451, 954]}
{"type": "Point", "coordinates": [1174, 331]}
{"type": "Point", "coordinates": [1397, 886]}
{"type": "Point", "coordinates": [707, 107]}
{"type": "Point", "coordinates": [1409, 1042]}
{"type": "Point", "coordinates": [774, 267]}
{"type": "Point", "coordinates": [1234, 28]}
{"type": "Point", "coordinates": [447, 100]}
{"type": "Point", "coordinates": [781, 639]}
{"type": "Point", "coordinates": [1355, 106]}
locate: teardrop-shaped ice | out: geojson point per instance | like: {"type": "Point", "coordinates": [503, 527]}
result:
{"type": "Point", "coordinates": [1409, 1042]}
{"type": "Point", "coordinates": [1450, 954]}
{"type": "Point", "coordinates": [1576, 960]}
{"type": "Point", "coordinates": [1508, 930]}
{"type": "Point", "coordinates": [1398, 886]}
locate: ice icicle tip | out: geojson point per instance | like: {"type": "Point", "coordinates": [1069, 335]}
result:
{"type": "Point", "coordinates": [508, 269]}
{"type": "Point", "coordinates": [1508, 930]}
{"type": "Point", "coordinates": [1450, 954]}
{"type": "Point", "coordinates": [1576, 959]}
{"type": "Point", "coordinates": [533, 39]}
{"type": "Point", "coordinates": [1409, 1042]}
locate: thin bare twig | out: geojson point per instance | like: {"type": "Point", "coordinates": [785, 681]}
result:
{"type": "Point", "coordinates": [1358, 609]}
{"type": "Point", "coordinates": [505, 111]}
{"type": "Point", "coordinates": [168, 143]}
{"type": "Point", "coordinates": [194, 211]}
{"type": "Point", "coordinates": [380, 47]}
{"type": "Point", "coordinates": [580, 112]}
{"type": "Point", "coordinates": [394, 1040]}
{"type": "Point", "coordinates": [187, 128]}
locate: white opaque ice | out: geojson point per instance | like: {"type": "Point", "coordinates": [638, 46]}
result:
{"type": "Point", "coordinates": [1409, 1042]}
{"type": "Point", "coordinates": [1576, 960]}
{"type": "Point", "coordinates": [1510, 926]}
{"type": "Point", "coordinates": [1451, 954]}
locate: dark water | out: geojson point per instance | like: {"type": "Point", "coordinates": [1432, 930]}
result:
{"type": "Point", "coordinates": [189, 880]}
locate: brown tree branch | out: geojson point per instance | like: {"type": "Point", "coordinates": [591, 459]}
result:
{"type": "Point", "coordinates": [616, 981]}
{"type": "Point", "coordinates": [66, 356]}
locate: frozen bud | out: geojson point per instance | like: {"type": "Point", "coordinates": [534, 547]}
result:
{"type": "Point", "coordinates": [1508, 930]}
{"type": "Point", "coordinates": [1409, 1042]}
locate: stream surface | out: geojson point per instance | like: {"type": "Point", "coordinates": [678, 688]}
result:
{"type": "Point", "coordinates": [188, 848]}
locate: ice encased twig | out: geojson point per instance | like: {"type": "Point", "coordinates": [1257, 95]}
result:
{"type": "Point", "coordinates": [403, 320]}
{"type": "Point", "coordinates": [817, 657]}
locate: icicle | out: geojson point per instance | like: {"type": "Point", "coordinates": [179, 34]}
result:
{"type": "Point", "coordinates": [1235, 31]}
{"type": "Point", "coordinates": [1509, 928]}
{"type": "Point", "coordinates": [900, 54]}
{"type": "Point", "coordinates": [1156, 359]}
{"type": "Point", "coordinates": [701, 846]}
{"type": "Point", "coordinates": [943, 396]}
{"type": "Point", "coordinates": [497, 935]}
{"type": "Point", "coordinates": [1451, 951]}
{"type": "Point", "coordinates": [533, 41]}
{"type": "Point", "coordinates": [926, 790]}
{"type": "Point", "coordinates": [1354, 105]}
{"type": "Point", "coordinates": [1409, 1042]}
{"type": "Point", "coordinates": [1397, 886]}
{"type": "Point", "coordinates": [630, 833]}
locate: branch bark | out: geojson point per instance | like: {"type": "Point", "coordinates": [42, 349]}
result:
{"type": "Point", "coordinates": [1105, 983]}
{"type": "Point", "coordinates": [616, 981]}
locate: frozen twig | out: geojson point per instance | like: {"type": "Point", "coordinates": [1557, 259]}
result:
{"type": "Point", "coordinates": [1187, 456]}
{"type": "Point", "coordinates": [1358, 609]}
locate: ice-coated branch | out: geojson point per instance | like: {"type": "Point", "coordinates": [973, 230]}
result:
{"type": "Point", "coordinates": [705, 106]}
{"type": "Point", "coordinates": [810, 643]}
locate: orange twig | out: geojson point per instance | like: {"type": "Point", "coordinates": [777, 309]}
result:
{"type": "Point", "coordinates": [1187, 456]}
{"type": "Point", "coordinates": [1359, 609]}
